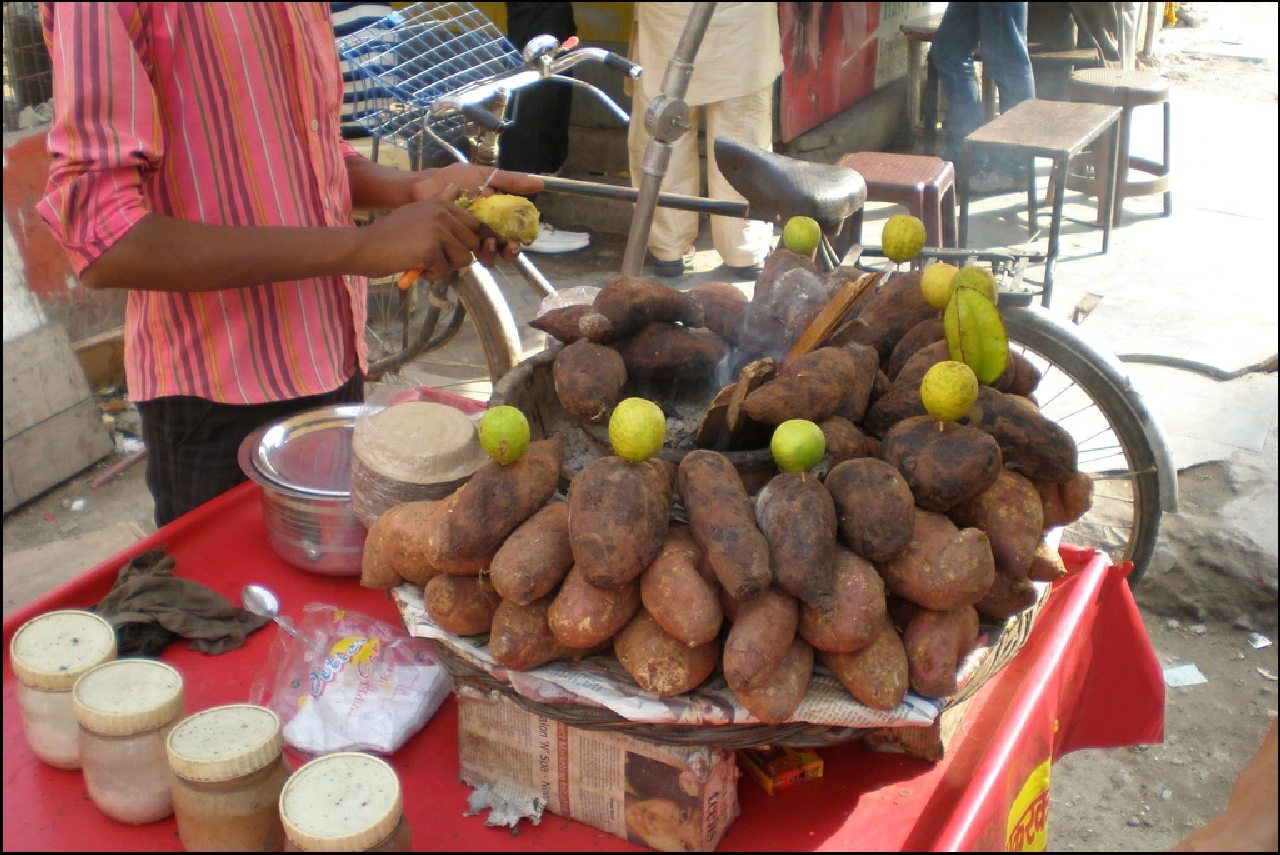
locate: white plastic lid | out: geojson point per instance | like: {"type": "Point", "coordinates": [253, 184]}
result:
{"type": "Point", "coordinates": [51, 651]}
{"type": "Point", "coordinates": [341, 803]}
{"type": "Point", "coordinates": [127, 696]}
{"type": "Point", "coordinates": [223, 743]}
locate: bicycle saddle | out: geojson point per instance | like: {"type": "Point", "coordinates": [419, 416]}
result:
{"type": "Point", "coordinates": [777, 187]}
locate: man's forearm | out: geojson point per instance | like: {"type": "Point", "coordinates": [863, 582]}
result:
{"type": "Point", "coordinates": [375, 187]}
{"type": "Point", "coordinates": [166, 254]}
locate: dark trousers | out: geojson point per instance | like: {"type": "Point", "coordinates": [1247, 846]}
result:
{"type": "Point", "coordinates": [193, 444]}
{"type": "Point", "coordinates": [538, 139]}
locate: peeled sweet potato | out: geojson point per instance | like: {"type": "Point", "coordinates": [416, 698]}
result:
{"type": "Point", "coordinates": [857, 608]}
{"type": "Point", "coordinates": [876, 511]}
{"type": "Point", "coordinates": [876, 675]}
{"type": "Point", "coordinates": [760, 636]}
{"type": "Point", "coordinates": [582, 615]}
{"type": "Point", "coordinates": [1010, 514]}
{"type": "Point", "coordinates": [462, 605]}
{"type": "Point", "coordinates": [936, 644]}
{"type": "Point", "coordinates": [521, 639]}
{"type": "Point", "coordinates": [618, 517]}
{"type": "Point", "coordinates": [942, 567]}
{"type": "Point", "coordinates": [562, 324]}
{"type": "Point", "coordinates": [891, 312]}
{"type": "Point", "coordinates": [627, 304]}
{"type": "Point", "coordinates": [943, 463]}
{"type": "Point", "coordinates": [798, 518]}
{"type": "Point", "coordinates": [476, 519]}
{"type": "Point", "coordinates": [660, 663]}
{"type": "Point", "coordinates": [811, 386]}
{"type": "Point", "coordinates": [670, 350]}
{"type": "Point", "coordinates": [589, 379]}
{"type": "Point", "coordinates": [677, 595]}
{"type": "Point", "coordinates": [723, 308]}
{"type": "Point", "coordinates": [776, 697]}
{"type": "Point", "coordinates": [535, 557]}
{"type": "Point", "coordinates": [1029, 443]}
{"type": "Point", "coordinates": [1007, 597]}
{"type": "Point", "coordinates": [723, 523]}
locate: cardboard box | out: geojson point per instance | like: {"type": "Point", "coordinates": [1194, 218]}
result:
{"type": "Point", "coordinates": [779, 768]}
{"type": "Point", "coordinates": [668, 797]}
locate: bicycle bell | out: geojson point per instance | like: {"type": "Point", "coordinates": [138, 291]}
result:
{"type": "Point", "coordinates": [539, 52]}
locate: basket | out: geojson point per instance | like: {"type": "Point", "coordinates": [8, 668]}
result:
{"type": "Point", "coordinates": [400, 65]}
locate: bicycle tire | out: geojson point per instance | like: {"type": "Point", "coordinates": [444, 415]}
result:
{"type": "Point", "coordinates": [1074, 368]}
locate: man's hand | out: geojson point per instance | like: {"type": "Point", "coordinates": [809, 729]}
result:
{"type": "Point", "coordinates": [434, 235]}
{"type": "Point", "coordinates": [468, 178]}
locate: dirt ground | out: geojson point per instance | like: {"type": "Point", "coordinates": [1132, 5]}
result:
{"type": "Point", "coordinates": [1139, 799]}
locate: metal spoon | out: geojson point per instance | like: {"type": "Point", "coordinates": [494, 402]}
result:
{"type": "Point", "coordinates": [263, 602]}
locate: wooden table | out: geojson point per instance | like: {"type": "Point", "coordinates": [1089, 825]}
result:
{"type": "Point", "coordinates": [1058, 130]}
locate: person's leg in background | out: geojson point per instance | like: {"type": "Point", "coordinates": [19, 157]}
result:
{"type": "Point", "coordinates": [673, 232]}
{"type": "Point", "coordinates": [742, 244]}
{"type": "Point", "coordinates": [538, 138]}
{"type": "Point", "coordinates": [193, 444]}
{"type": "Point", "coordinates": [1003, 36]}
{"type": "Point", "coordinates": [953, 49]}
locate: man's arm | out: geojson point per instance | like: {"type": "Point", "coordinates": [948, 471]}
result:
{"type": "Point", "coordinates": [376, 187]}
{"type": "Point", "coordinates": [1248, 823]}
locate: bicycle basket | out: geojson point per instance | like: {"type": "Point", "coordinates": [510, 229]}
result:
{"type": "Point", "coordinates": [397, 67]}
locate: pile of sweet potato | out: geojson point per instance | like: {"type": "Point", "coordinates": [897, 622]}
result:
{"type": "Point", "coordinates": [878, 564]}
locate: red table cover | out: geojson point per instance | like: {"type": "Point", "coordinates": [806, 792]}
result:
{"type": "Point", "coordinates": [1087, 678]}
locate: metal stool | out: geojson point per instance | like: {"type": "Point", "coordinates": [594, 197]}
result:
{"type": "Point", "coordinates": [1126, 90]}
{"type": "Point", "coordinates": [925, 185]}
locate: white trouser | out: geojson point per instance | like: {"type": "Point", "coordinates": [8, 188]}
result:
{"type": "Point", "coordinates": [739, 242]}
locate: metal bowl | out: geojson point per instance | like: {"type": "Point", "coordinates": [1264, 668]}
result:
{"type": "Point", "coordinates": [303, 465]}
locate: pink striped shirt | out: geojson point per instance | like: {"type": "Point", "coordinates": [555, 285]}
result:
{"type": "Point", "coordinates": [221, 113]}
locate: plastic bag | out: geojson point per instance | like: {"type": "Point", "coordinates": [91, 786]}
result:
{"type": "Point", "coordinates": [351, 683]}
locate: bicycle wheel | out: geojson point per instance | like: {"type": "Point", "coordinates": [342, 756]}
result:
{"type": "Point", "coordinates": [1088, 393]}
{"type": "Point", "coordinates": [427, 316]}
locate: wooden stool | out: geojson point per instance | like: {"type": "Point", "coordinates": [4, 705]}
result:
{"type": "Point", "coordinates": [1126, 90]}
{"type": "Point", "coordinates": [926, 185]}
{"type": "Point", "coordinates": [1054, 129]}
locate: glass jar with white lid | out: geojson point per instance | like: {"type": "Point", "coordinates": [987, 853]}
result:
{"type": "Point", "coordinates": [48, 654]}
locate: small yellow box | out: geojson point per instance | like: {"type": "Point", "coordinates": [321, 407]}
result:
{"type": "Point", "coordinates": [779, 768]}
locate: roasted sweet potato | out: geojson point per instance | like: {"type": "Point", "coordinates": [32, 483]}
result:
{"type": "Point", "coordinates": [1008, 596]}
{"type": "Point", "coordinates": [898, 403]}
{"type": "Point", "coordinates": [811, 386]}
{"type": "Point", "coordinates": [919, 363]}
{"type": "Point", "coordinates": [627, 304]}
{"type": "Point", "coordinates": [723, 523]}
{"type": "Point", "coordinates": [927, 332]}
{"type": "Point", "coordinates": [1064, 503]}
{"type": "Point", "coordinates": [677, 595]}
{"type": "Point", "coordinates": [589, 379]}
{"type": "Point", "coordinates": [582, 615]}
{"type": "Point", "coordinates": [776, 697]}
{"type": "Point", "coordinates": [1031, 444]}
{"type": "Point", "coordinates": [845, 441]}
{"type": "Point", "coordinates": [936, 644]}
{"type": "Point", "coordinates": [857, 608]}
{"type": "Point", "coordinates": [521, 639]}
{"type": "Point", "coordinates": [723, 308]}
{"type": "Point", "coordinates": [798, 518]}
{"type": "Point", "coordinates": [670, 350]}
{"type": "Point", "coordinates": [1047, 565]}
{"type": "Point", "coordinates": [891, 312]}
{"type": "Point", "coordinates": [562, 324]}
{"type": "Point", "coordinates": [942, 567]}
{"type": "Point", "coordinates": [866, 368]}
{"type": "Point", "coordinates": [875, 508]}
{"type": "Point", "coordinates": [462, 605]}
{"type": "Point", "coordinates": [760, 636]}
{"type": "Point", "coordinates": [478, 516]}
{"type": "Point", "coordinates": [944, 463]}
{"type": "Point", "coordinates": [535, 557]}
{"type": "Point", "coordinates": [877, 674]}
{"type": "Point", "coordinates": [660, 663]}
{"type": "Point", "coordinates": [776, 264]}
{"type": "Point", "coordinates": [1010, 514]}
{"type": "Point", "coordinates": [618, 517]}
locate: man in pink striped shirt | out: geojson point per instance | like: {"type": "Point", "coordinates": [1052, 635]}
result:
{"type": "Point", "coordinates": [197, 162]}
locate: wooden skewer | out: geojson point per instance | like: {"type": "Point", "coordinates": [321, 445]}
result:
{"type": "Point", "coordinates": [835, 312]}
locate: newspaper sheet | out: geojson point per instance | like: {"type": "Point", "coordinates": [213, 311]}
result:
{"type": "Point", "coordinates": [601, 681]}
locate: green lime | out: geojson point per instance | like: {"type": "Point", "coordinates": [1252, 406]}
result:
{"type": "Point", "coordinates": [948, 390]}
{"type": "Point", "coordinates": [797, 445]}
{"type": "Point", "coordinates": [801, 235]}
{"type": "Point", "coordinates": [504, 433]}
{"type": "Point", "coordinates": [637, 429]}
